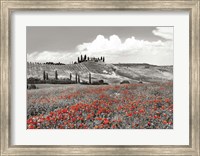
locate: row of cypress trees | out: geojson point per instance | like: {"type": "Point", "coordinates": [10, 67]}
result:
{"type": "Point", "coordinates": [77, 77]}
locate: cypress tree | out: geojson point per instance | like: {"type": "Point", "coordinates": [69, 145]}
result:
{"type": "Point", "coordinates": [79, 79]}
{"type": "Point", "coordinates": [56, 75]}
{"type": "Point", "coordinates": [81, 58]}
{"type": "Point", "coordinates": [76, 77]}
{"type": "Point", "coordinates": [44, 75]}
{"type": "Point", "coordinates": [85, 58]}
{"type": "Point", "coordinates": [70, 76]}
{"type": "Point", "coordinates": [90, 78]}
{"type": "Point", "coordinates": [103, 59]}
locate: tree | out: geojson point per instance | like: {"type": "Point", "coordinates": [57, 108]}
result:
{"type": "Point", "coordinates": [90, 78]}
{"type": "Point", "coordinates": [103, 59]}
{"type": "Point", "coordinates": [78, 60]}
{"type": "Point", "coordinates": [70, 76]}
{"type": "Point", "coordinates": [76, 77]}
{"type": "Point", "coordinates": [56, 75]}
{"type": "Point", "coordinates": [81, 58]}
{"type": "Point", "coordinates": [79, 79]}
{"type": "Point", "coordinates": [44, 75]}
{"type": "Point", "coordinates": [85, 58]}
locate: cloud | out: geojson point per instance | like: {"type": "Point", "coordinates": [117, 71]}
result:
{"type": "Point", "coordinates": [164, 32]}
{"type": "Point", "coordinates": [49, 56]}
{"type": "Point", "coordinates": [101, 44]}
{"type": "Point", "coordinates": [131, 50]}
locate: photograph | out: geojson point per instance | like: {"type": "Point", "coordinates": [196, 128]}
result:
{"type": "Point", "coordinates": [99, 77]}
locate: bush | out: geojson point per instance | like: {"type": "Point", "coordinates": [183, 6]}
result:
{"type": "Point", "coordinates": [95, 83]}
{"type": "Point", "coordinates": [84, 82]}
{"type": "Point", "coordinates": [101, 81]}
{"type": "Point", "coordinates": [63, 81]}
{"type": "Point", "coordinates": [32, 86]}
{"type": "Point", "coordinates": [125, 82]}
{"type": "Point", "coordinates": [32, 80]}
{"type": "Point", "coordinates": [49, 81]}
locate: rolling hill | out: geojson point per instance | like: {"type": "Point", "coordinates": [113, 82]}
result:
{"type": "Point", "coordinates": [110, 73]}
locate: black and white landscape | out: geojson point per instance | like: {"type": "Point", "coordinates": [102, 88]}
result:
{"type": "Point", "coordinates": [100, 77]}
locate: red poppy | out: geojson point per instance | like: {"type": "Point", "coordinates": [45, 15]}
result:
{"type": "Point", "coordinates": [29, 121]}
{"type": "Point", "coordinates": [155, 116]}
{"type": "Point", "coordinates": [48, 118]}
{"type": "Point", "coordinates": [170, 123]}
{"type": "Point", "coordinates": [167, 100]}
{"type": "Point", "coordinates": [164, 122]}
{"type": "Point", "coordinates": [31, 126]}
{"type": "Point", "coordinates": [129, 114]}
{"type": "Point", "coordinates": [164, 114]}
{"type": "Point", "coordinates": [113, 126]}
{"type": "Point", "coordinates": [141, 110]}
{"type": "Point", "coordinates": [106, 121]}
{"type": "Point", "coordinates": [64, 111]}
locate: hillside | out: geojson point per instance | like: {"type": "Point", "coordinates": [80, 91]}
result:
{"type": "Point", "coordinates": [110, 73]}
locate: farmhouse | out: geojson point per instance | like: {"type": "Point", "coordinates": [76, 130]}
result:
{"type": "Point", "coordinates": [89, 59]}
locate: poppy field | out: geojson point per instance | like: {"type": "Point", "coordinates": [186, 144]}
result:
{"type": "Point", "coordinates": [124, 106]}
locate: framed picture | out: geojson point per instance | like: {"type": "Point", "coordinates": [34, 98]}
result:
{"type": "Point", "coordinates": [100, 78]}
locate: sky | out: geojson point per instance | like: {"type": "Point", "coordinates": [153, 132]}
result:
{"type": "Point", "coordinates": [153, 45]}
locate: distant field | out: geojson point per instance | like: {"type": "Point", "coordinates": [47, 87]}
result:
{"type": "Point", "coordinates": [128, 106]}
{"type": "Point", "coordinates": [110, 73]}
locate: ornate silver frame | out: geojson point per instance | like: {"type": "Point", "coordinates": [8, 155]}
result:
{"type": "Point", "coordinates": [7, 6]}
